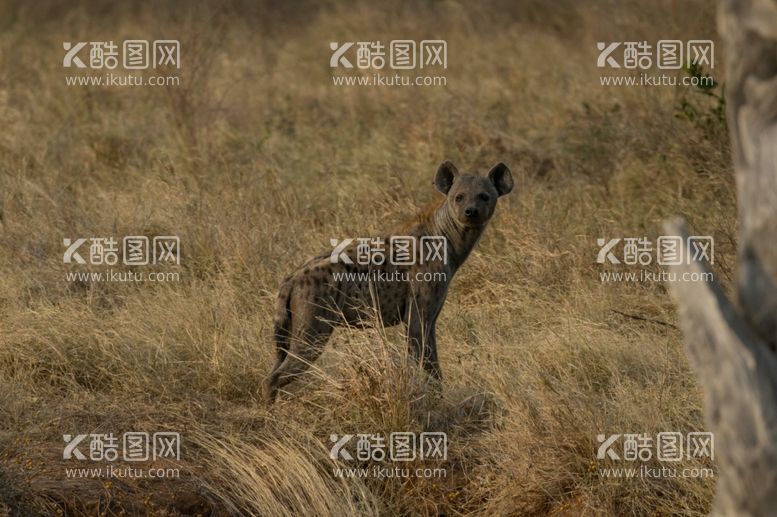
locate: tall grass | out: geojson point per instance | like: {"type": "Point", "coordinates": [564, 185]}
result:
{"type": "Point", "coordinates": [255, 161]}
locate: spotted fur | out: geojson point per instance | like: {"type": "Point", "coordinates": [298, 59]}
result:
{"type": "Point", "coordinates": [312, 302]}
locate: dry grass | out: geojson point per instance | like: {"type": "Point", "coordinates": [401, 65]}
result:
{"type": "Point", "coordinates": [255, 162]}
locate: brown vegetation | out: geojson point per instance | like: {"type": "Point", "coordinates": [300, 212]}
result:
{"type": "Point", "coordinates": [255, 161]}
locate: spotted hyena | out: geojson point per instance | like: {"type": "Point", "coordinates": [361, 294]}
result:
{"type": "Point", "coordinates": [407, 281]}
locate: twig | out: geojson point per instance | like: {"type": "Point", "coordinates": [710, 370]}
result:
{"type": "Point", "coordinates": [642, 318]}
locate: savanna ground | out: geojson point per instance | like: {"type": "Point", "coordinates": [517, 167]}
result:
{"type": "Point", "coordinates": [255, 161]}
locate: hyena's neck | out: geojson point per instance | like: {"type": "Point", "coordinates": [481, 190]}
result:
{"type": "Point", "coordinates": [460, 239]}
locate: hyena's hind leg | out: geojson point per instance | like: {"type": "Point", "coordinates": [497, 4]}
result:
{"type": "Point", "coordinates": [306, 342]}
{"type": "Point", "coordinates": [282, 339]}
{"type": "Point", "coordinates": [282, 324]}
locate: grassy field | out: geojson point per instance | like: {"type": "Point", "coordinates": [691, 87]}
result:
{"type": "Point", "coordinates": [255, 161]}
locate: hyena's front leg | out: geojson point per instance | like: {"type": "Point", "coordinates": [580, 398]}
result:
{"type": "Point", "coordinates": [431, 364]}
{"type": "Point", "coordinates": [422, 340]}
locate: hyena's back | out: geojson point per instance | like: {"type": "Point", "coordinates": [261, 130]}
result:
{"type": "Point", "coordinates": [341, 293]}
{"type": "Point", "coordinates": [316, 298]}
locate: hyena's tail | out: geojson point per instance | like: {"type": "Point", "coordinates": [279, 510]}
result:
{"type": "Point", "coordinates": [282, 322]}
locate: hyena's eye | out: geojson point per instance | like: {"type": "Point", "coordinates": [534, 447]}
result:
{"type": "Point", "coordinates": [484, 198]}
{"type": "Point", "coordinates": [459, 198]}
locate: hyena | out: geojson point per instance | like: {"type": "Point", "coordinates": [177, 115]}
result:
{"type": "Point", "coordinates": [340, 289]}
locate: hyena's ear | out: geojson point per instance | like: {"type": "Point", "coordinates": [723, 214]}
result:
{"type": "Point", "coordinates": [501, 178]}
{"type": "Point", "coordinates": [445, 175]}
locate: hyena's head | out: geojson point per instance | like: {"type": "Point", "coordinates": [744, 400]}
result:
{"type": "Point", "coordinates": [471, 198]}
